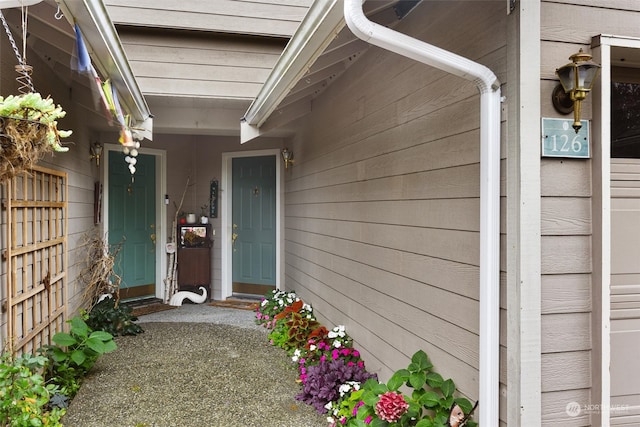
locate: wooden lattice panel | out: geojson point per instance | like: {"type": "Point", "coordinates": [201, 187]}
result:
{"type": "Point", "coordinates": [36, 256]}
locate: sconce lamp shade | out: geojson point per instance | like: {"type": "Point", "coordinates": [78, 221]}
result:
{"type": "Point", "coordinates": [579, 74]}
{"type": "Point", "coordinates": [95, 151]}
{"type": "Point", "coordinates": [287, 156]}
{"type": "Point", "coordinates": [577, 78]}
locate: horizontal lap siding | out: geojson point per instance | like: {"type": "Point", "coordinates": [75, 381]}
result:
{"type": "Point", "coordinates": [268, 18]}
{"type": "Point", "coordinates": [566, 214]}
{"type": "Point", "coordinates": [382, 204]}
{"type": "Point", "coordinates": [199, 66]}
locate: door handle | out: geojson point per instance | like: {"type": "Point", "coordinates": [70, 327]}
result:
{"type": "Point", "coordinates": [234, 235]}
{"type": "Point", "coordinates": [153, 238]}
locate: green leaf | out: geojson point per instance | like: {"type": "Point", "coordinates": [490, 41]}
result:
{"type": "Point", "coordinates": [63, 339]}
{"type": "Point", "coordinates": [370, 399]}
{"type": "Point", "coordinates": [78, 357]}
{"type": "Point", "coordinates": [464, 404]}
{"type": "Point", "coordinates": [417, 379]}
{"type": "Point", "coordinates": [425, 422]}
{"type": "Point", "coordinates": [430, 399]}
{"type": "Point", "coordinates": [58, 355]}
{"type": "Point", "coordinates": [448, 387]}
{"type": "Point", "coordinates": [421, 359]}
{"type": "Point", "coordinates": [395, 382]}
{"type": "Point", "coordinates": [110, 346]}
{"type": "Point", "coordinates": [377, 422]}
{"type": "Point", "coordinates": [101, 335]}
{"type": "Point", "coordinates": [380, 388]}
{"type": "Point", "coordinates": [95, 344]}
{"type": "Point", "coordinates": [79, 327]}
{"type": "Point", "coordinates": [434, 380]}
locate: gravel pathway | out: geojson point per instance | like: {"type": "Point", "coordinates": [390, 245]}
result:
{"type": "Point", "coordinates": [194, 366]}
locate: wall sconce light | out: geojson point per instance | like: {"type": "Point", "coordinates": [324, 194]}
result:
{"type": "Point", "coordinates": [287, 156]}
{"type": "Point", "coordinates": [576, 80]}
{"type": "Point", "coordinates": [95, 151]}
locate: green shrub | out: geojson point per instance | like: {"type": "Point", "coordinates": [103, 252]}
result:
{"type": "Point", "coordinates": [114, 318]}
{"type": "Point", "coordinates": [24, 397]}
{"type": "Point", "coordinates": [75, 354]}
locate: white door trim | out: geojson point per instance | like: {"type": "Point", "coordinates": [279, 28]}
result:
{"type": "Point", "coordinates": [601, 210]}
{"type": "Point", "coordinates": [226, 198]}
{"type": "Point", "coordinates": [161, 210]}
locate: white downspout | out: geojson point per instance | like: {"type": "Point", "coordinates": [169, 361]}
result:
{"type": "Point", "coordinates": [489, 88]}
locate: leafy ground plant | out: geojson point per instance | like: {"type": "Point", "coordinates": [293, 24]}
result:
{"type": "Point", "coordinates": [110, 316]}
{"type": "Point", "coordinates": [24, 396]}
{"type": "Point", "coordinates": [429, 405]}
{"type": "Point", "coordinates": [75, 353]}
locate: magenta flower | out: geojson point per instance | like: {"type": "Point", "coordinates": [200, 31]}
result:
{"type": "Point", "coordinates": [391, 406]}
{"type": "Point", "coordinates": [368, 419]}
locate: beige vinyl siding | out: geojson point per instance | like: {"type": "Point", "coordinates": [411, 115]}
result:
{"type": "Point", "coordinates": [567, 301]}
{"type": "Point", "coordinates": [382, 204]}
{"type": "Point", "coordinates": [265, 18]}
{"type": "Point", "coordinates": [197, 65]}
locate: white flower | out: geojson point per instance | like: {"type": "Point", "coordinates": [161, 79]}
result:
{"type": "Point", "coordinates": [306, 306]}
{"type": "Point", "coordinates": [328, 406]}
{"type": "Point", "coordinates": [308, 316]}
{"type": "Point", "coordinates": [332, 335]}
{"type": "Point", "coordinates": [344, 388]}
{"type": "Point", "coordinates": [330, 420]}
{"type": "Point", "coordinates": [312, 347]}
{"type": "Point", "coordinates": [337, 344]}
{"type": "Point", "coordinates": [296, 355]}
{"type": "Point", "coordinates": [264, 302]}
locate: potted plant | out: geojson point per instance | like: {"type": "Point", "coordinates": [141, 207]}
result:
{"type": "Point", "coordinates": [28, 130]}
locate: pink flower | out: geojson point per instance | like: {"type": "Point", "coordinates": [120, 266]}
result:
{"type": "Point", "coordinates": [355, 408]}
{"type": "Point", "coordinates": [335, 354]}
{"type": "Point", "coordinates": [391, 406]}
{"type": "Point", "coordinates": [368, 419]}
{"type": "Point", "coordinates": [356, 353]}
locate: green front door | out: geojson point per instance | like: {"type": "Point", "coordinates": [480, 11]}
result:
{"type": "Point", "coordinates": [254, 224]}
{"type": "Point", "coordinates": [132, 218]}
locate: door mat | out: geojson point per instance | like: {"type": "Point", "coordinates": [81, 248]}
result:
{"type": "Point", "coordinates": [235, 303]}
{"type": "Point", "coordinates": [151, 308]}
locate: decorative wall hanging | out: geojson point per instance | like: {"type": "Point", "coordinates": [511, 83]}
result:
{"type": "Point", "coordinates": [213, 199]}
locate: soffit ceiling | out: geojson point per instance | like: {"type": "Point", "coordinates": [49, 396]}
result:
{"type": "Point", "coordinates": [53, 41]}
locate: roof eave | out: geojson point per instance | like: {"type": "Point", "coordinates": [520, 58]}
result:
{"type": "Point", "coordinates": [110, 59]}
{"type": "Point", "coordinates": [319, 27]}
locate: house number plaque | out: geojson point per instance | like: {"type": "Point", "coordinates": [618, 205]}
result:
{"type": "Point", "coordinates": [559, 139]}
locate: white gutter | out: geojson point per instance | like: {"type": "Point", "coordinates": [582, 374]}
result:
{"type": "Point", "coordinates": [489, 88]}
{"type": "Point", "coordinates": [109, 58]}
{"type": "Point", "coordinates": [323, 19]}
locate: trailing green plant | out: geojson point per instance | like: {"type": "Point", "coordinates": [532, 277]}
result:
{"type": "Point", "coordinates": [429, 405]}
{"type": "Point", "coordinates": [75, 353]}
{"type": "Point", "coordinates": [110, 316]}
{"type": "Point", "coordinates": [24, 396]}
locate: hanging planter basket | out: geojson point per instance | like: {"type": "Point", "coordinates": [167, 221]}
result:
{"type": "Point", "coordinates": [23, 143]}
{"type": "Point", "coordinates": [28, 131]}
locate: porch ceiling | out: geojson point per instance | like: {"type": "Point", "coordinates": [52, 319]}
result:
{"type": "Point", "coordinates": [53, 41]}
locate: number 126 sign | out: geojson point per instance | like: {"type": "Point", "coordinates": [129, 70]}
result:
{"type": "Point", "coordinates": [559, 139]}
